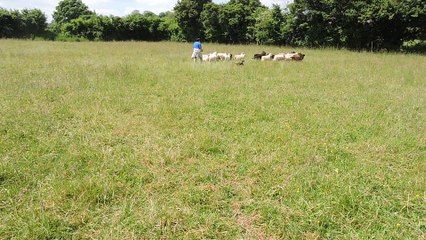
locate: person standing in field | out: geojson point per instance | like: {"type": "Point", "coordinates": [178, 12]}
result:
{"type": "Point", "coordinates": [198, 50]}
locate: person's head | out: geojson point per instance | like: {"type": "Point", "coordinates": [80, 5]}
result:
{"type": "Point", "coordinates": [198, 39]}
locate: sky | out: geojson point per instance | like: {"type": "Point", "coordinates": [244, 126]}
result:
{"type": "Point", "coordinates": [111, 7]}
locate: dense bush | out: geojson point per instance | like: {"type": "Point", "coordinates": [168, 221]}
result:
{"type": "Point", "coordinates": [371, 24]}
{"type": "Point", "coordinates": [414, 46]}
{"type": "Point", "coordinates": [22, 24]}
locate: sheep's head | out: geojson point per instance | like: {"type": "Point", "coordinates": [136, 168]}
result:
{"type": "Point", "coordinates": [298, 56]}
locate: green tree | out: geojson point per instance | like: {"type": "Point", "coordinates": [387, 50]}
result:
{"type": "Point", "coordinates": [277, 25]}
{"type": "Point", "coordinates": [136, 27]}
{"type": "Point", "coordinates": [84, 28]}
{"type": "Point", "coordinates": [67, 10]}
{"type": "Point", "coordinates": [169, 25]}
{"type": "Point", "coordinates": [360, 24]}
{"type": "Point", "coordinates": [156, 33]}
{"type": "Point", "coordinates": [6, 23]}
{"type": "Point", "coordinates": [262, 28]}
{"type": "Point", "coordinates": [17, 25]}
{"type": "Point", "coordinates": [34, 22]}
{"type": "Point", "coordinates": [112, 28]}
{"type": "Point", "coordinates": [188, 16]}
{"type": "Point", "coordinates": [211, 22]}
{"type": "Point", "coordinates": [315, 21]}
{"type": "Point", "coordinates": [237, 17]}
{"type": "Point", "coordinates": [268, 26]}
{"type": "Point", "coordinates": [413, 15]}
{"type": "Point", "coordinates": [27, 23]}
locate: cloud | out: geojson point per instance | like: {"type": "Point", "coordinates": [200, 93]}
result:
{"type": "Point", "coordinates": [114, 7]}
{"type": "Point", "coordinates": [20, 4]}
{"type": "Point", "coordinates": [156, 6]}
{"type": "Point", "coordinates": [281, 3]}
{"type": "Point", "coordinates": [106, 12]}
{"type": "Point", "coordinates": [94, 2]}
{"type": "Point", "coordinates": [46, 6]}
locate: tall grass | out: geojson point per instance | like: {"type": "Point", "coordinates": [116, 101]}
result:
{"type": "Point", "coordinates": [134, 140]}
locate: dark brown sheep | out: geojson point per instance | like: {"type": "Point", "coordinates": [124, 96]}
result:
{"type": "Point", "coordinates": [259, 55]}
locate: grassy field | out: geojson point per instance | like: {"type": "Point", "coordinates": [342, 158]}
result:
{"type": "Point", "coordinates": [134, 141]}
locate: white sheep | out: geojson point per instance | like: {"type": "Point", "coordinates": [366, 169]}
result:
{"type": "Point", "coordinates": [206, 57]}
{"type": "Point", "coordinates": [224, 56]}
{"type": "Point", "coordinates": [269, 56]}
{"type": "Point", "coordinates": [289, 56]}
{"type": "Point", "coordinates": [279, 57]}
{"type": "Point", "coordinates": [240, 56]}
{"type": "Point", "coordinates": [213, 56]}
{"type": "Point", "coordinates": [210, 57]}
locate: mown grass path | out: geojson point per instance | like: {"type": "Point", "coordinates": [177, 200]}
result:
{"type": "Point", "coordinates": [133, 140]}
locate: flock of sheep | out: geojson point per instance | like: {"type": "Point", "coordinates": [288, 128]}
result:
{"type": "Point", "coordinates": [263, 56]}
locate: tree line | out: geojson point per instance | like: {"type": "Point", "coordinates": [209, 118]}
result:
{"type": "Point", "coordinates": [366, 24]}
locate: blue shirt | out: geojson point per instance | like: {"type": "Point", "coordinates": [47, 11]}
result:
{"type": "Point", "coordinates": [197, 45]}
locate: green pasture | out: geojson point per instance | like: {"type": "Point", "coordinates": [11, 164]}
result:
{"type": "Point", "coordinates": [132, 140]}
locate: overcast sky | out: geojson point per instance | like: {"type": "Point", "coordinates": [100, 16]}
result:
{"type": "Point", "coordinates": [111, 7]}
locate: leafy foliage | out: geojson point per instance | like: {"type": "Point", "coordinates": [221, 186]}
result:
{"type": "Point", "coordinates": [372, 24]}
{"type": "Point", "coordinates": [188, 15]}
{"type": "Point", "coordinates": [212, 22]}
{"type": "Point", "coordinates": [68, 10]}
{"type": "Point", "coordinates": [27, 23]}
{"type": "Point", "coordinates": [268, 26]}
{"type": "Point", "coordinates": [237, 17]}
